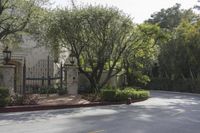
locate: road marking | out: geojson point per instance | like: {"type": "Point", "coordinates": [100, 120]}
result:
{"type": "Point", "coordinates": [99, 131]}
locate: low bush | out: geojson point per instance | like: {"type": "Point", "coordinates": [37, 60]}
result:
{"type": "Point", "coordinates": [62, 91]}
{"type": "Point", "coordinates": [108, 95]}
{"type": "Point", "coordinates": [42, 89]}
{"type": "Point", "coordinates": [4, 97]}
{"type": "Point", "coordinates": [118, 95]}
{"type": "Point", "coordinates": [179, 85]}
{"type": "Point", "coordinates": [46, 90]}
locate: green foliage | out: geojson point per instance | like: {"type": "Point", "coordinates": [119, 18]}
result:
{"type": "Point", "coordinates": [170, 18]}
{"type": "Point", "coordinates": [53, 89]}
{"type": "Point", "coordinates": [46, 90]}
{"type": "Point", "coordinates": [4, 97]}
{"type": "Point", "coordinates": [144, 51]}
{"type": "Point", "coordinates": [117, 95]}
{"type": "Point", "coordinates": [62, 91]}
{"type": "Point", "coordinates": [15, 16]}
{"type": "Point", "coordinates": [179, 85]}
{"type": "Point", "coordinates": [179, 57]}
{"type": "Point", "coordinates": [109, 95]}
{"type": "Point", "coordinates": [134, 94]}
{"type": "Point", "coordinates": [98, 37]}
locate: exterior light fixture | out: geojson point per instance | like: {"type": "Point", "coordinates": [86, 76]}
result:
{"type": "Point", "coordinates": [72, 58]}
{"type": "Point", "coordinates": [6, 55]}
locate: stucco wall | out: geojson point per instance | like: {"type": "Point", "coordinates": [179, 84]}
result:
{"type": "Point", "coordinates": [84, 83]}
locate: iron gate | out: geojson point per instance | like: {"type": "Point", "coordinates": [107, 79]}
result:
{"type": "Point", "coordinates": [42, 76]}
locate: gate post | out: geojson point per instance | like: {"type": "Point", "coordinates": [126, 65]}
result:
{"type": "Point", "coordinates": [24, 77]}
{"type": "Point", "coordinates": [48, 75]}
{"type": "Point", "coordinates": [7, 77]}
{"type": "Point", "coordinates": [61, 76]}
{"type": "Point", "coordinates": [72, 79]}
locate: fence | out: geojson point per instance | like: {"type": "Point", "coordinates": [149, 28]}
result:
{"type": "Point", "coordinates": [41, 77]}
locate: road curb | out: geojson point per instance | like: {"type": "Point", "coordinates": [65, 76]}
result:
{"type": "Point", "coordinates": [173, 92]}
{"type": "Point", "coordinates": [53, 107]}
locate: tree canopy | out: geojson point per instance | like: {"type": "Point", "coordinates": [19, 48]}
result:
{"type": "Point", "coordinates": [15, 16]}
{"type": "Point", "coordinates": [98, 36]}
{"type": "Point", "coordinates": [171, 17]}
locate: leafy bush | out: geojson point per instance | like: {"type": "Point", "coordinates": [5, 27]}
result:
{"type": "Point", "coordinates": [108, 95]}
{"type": "Point", "coordinates": [46, 90]}
{"type": "Point", "coordinates": [180, 85]}
{"type": "Point", "coordinates": [118, 95]}
{"type": "Point", "coordinates": [42, 89]}
{"type": "Point", "coordinates": [4, 97]}
{"type": "Point", "coordinates": [62, 91]}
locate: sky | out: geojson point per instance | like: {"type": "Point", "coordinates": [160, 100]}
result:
{"type": "Point", "coordinates": [139, 10]}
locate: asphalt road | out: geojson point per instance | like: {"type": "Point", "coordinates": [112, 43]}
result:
{"type": "Point", "coordinates": [163, 113]}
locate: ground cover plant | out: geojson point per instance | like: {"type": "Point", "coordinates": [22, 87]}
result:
{"type": "Point", "coordinates": [121, 95]}
{"type": "Point", "coordinates": [4, 97]}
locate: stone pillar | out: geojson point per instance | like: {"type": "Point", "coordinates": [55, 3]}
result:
{"type": "Point", "coordinates": [71, 72]}
{"type": "Point", "coordinates": [7, 77]}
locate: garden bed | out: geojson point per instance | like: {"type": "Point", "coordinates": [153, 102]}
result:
{"type": "Point", "coordinates": [58, 106]}
{"type": "Point", "coordinates": [54, 101]}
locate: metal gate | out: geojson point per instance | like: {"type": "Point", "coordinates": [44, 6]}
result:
{"type": "Point", "coordinates": [42, 77]}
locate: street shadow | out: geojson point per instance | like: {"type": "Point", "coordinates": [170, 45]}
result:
{"type": "Point", "coordinates": [172, 108]}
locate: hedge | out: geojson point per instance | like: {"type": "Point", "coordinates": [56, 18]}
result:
{"type": "Point", "coordinates": [4, 97]}
{"type": "Point", "coordinates": [118, 95]}
{"type": "Point", "coordinates": [180, 85]}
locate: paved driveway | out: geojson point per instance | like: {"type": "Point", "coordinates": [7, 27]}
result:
{"type": "Point", "coordinates": [163, 113]}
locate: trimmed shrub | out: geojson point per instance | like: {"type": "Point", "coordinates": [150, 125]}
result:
{"type": "Point", "coordinates": [46, 90]}
{"type": "Point", "coordinates": [109, 95]}
{"type": "Point", "coordinates": [180, 85]}
{"type": "Point", "coordinates": [62, 91]}
{"type": "Point", "coordinates": [4, 97]}
{"type": "Point", "coordinates": [117, 95]}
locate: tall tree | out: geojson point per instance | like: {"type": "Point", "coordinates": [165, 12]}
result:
{"type": "Point", "coordinates": [98, 36]}
{"type": "Point", "coordinates": [179, 57]}
{"type": "Point", "coordinates": [143, 53]}
{"type": "Point", "coordinates": [171, 17]}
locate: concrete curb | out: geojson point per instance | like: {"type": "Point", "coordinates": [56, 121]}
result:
{"type": "Point", "coordinates": [53, 107]}
{"type": "Point", "coordinates": [174, 92]}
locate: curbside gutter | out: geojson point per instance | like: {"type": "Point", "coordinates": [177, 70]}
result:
{"type": "Point", "coordinates": [61, 106]}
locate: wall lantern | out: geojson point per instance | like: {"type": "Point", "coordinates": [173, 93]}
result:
{"type": "Point", "coordinates": [6, 55]}
{"type": "Point", "coordinates": [72, 58]}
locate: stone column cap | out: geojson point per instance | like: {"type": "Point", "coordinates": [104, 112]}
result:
{"type": "Point", "coordinates": [7, 66]}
